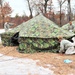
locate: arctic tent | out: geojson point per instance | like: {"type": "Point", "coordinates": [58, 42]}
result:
{"type": "Point", "coordinates": [39, 33]}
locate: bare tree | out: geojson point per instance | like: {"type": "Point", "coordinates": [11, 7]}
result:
{"type": "Point", "coordinates": [42, 5]}
{"type": "Point", "coordinates": [60, 5]}
{"type": "Point", "coordinates": [5, 11]}
{"type": "Point", "coordinates": [45, 5]}
{"type": "Point", "coordinates": [39, 6]}
{"type": "Point", "coordinates": [30, 8]}
{"type": "Point", "coordinates": [1, 9]}
{"type": "Point", "coordinates": [50, 4]}
{"type": "Point", "coordinates": [51, 10]}
{"type": "Point", "coordinates": [1, 2]}
{"type": "Point", "coordinates": [69, 9]}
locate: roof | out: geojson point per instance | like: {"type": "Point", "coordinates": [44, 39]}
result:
{"type": "Point", "coordinates": [66, 25]}
{"type": "Point", "coordinates": [41, 27]}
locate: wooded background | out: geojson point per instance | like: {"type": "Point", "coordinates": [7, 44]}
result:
{"type": "Point", "coordinates": [45, 7]}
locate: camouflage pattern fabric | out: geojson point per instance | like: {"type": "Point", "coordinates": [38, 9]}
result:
{"type": "Point", "coordinates": [6, 39]}
{"type": "Point", "coordinates": [42, 27]}
{"type": "Point", "coordinates": [65, 27]}
{"type": "Point", "coordinates": [39, 33]}
{"type": "Point", "coordinates": [29, 45]}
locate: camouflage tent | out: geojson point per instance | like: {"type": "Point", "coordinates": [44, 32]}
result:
{"type": "Point", "coordinates": [39, 33]}
{"type": "Point", "coordinates": [65, 27]}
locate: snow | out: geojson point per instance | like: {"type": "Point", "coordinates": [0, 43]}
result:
{"type": "Point", "coordinates": [21, 66]}
{"type": "Point", "coordinates": [1, 31]}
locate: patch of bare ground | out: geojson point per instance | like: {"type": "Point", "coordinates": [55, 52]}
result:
{"type": "Point", "coordinates": [49, 60]}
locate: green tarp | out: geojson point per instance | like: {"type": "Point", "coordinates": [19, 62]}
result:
{"type": "Point", "coordinates": [42, 27]}
{"type": "Point", "coordinates": [39, 33]}
{"type": "Point", "coordinates": [65, 27]}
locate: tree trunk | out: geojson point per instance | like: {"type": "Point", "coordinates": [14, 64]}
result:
{"type": "Point", "coordinates": [60, 15]}
{"type": "Point", "coordinates": [31, 16]}
{"type": "Point", "coordinates": [45, 6]}
{"type": "Point", "coordinates": [1, 4]}
{"type": "Point", "coordinates": [69, 10]}
{"type": "Point", "coordinates": [3, 20]}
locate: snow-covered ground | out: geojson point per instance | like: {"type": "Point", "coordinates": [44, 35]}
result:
{"type": "Point", "coordinates": [20, 66]}
{"type": "Point", "coordinates": [2, 31]}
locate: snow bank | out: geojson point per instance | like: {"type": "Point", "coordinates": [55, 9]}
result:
{"type": "Point", "coordinates": [21, 66]}
{"type": "Point", "coordinates": [2, 31]}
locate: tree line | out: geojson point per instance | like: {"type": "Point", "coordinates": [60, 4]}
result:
{"type": "Point", "coordinates": [46, 7]}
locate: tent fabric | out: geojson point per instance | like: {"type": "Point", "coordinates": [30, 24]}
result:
{"type": "Point", "coordinates": [38, 33]}
{"type": "Point", "coordinates": [66, 25]}
{"type": "Point", "coordinates": [41, 27]}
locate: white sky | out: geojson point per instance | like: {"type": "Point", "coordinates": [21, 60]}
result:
{"type": "Point", "coordinates": [20, 6]}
